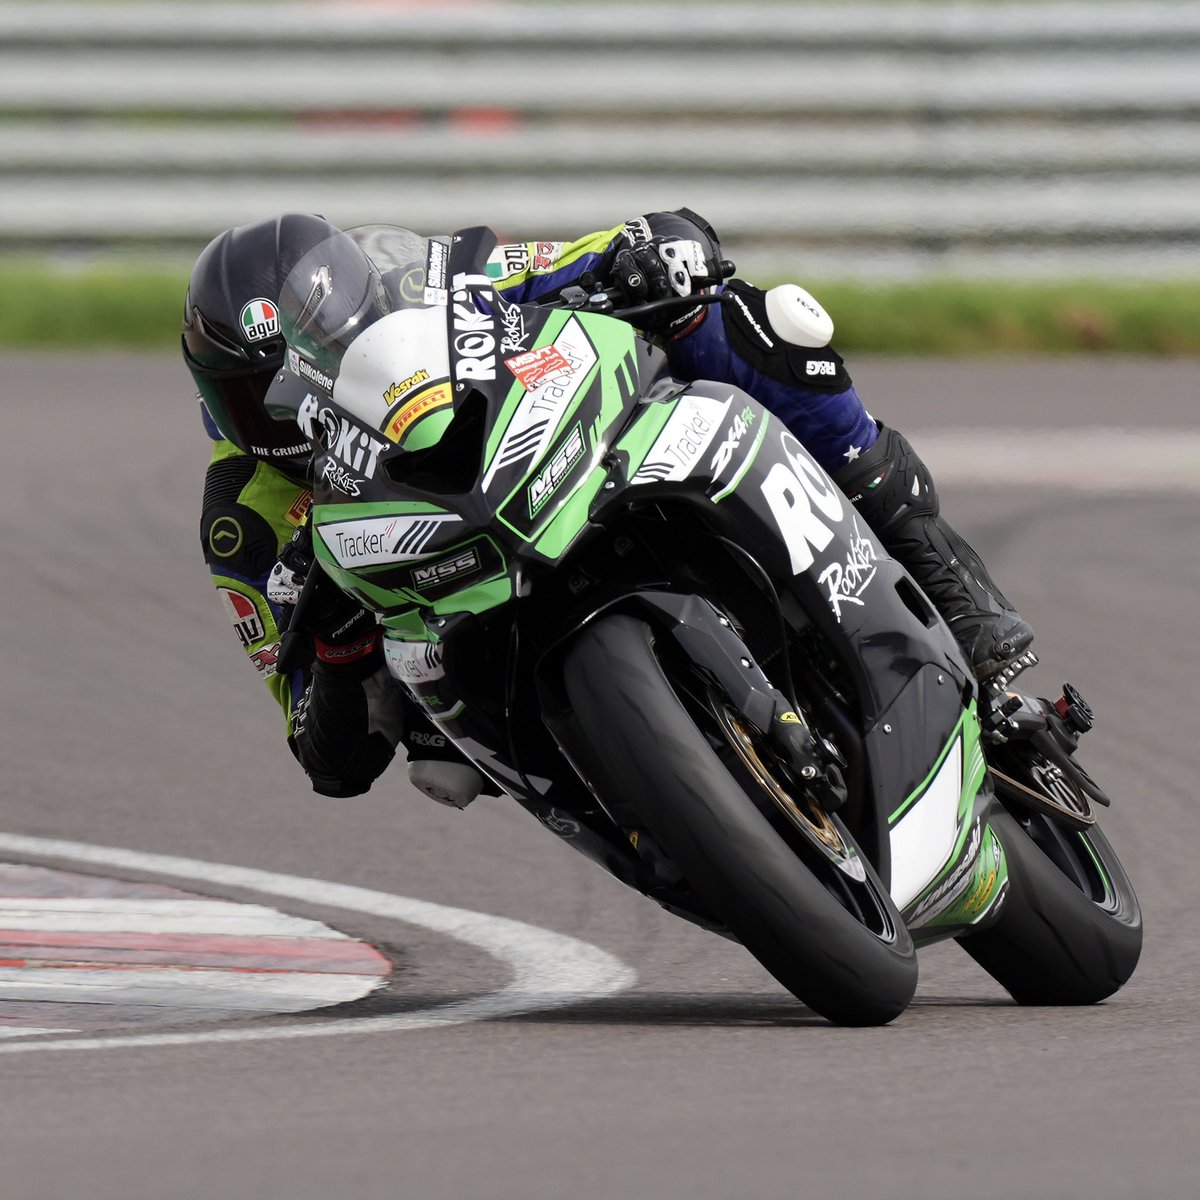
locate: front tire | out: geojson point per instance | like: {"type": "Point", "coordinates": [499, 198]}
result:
{"type": "Point", "coordinates": [850, 958]}
{"type": "Point", "coordinates": [1070, 929]}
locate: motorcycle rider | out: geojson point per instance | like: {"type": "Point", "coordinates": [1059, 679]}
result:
{"type": "Point", "coordinates": [344, 714]}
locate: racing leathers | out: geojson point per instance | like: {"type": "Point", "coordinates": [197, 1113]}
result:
{"type": "Point", "coordinates": [251, 508]}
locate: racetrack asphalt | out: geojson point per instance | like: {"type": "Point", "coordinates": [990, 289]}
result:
{"type": "Point", "coordinates": [128, 718]}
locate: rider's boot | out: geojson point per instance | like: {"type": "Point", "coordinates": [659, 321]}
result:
{"type": "Point", "coordinates": [892, 488]}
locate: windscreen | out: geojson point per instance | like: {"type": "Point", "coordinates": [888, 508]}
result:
{"type": "Point", "coordinates": [340, 288]}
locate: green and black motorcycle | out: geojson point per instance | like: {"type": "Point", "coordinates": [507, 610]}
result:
{"type": "Point", "coordinates": [646, 613]}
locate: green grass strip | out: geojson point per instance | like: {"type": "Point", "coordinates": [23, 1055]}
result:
{"type": "Point", "coordinates": [140, 307]}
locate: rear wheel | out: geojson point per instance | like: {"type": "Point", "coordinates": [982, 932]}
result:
{"type": "Point", "coordinates": [1070, 928]}
{"type": "Point", "coordinates": [815, 915]}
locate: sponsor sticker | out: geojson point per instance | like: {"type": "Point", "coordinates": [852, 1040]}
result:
{"type": "Point", "coordinates": [474, 340]}
{"type": "Point", "coordinates": [299, 510]}
{"type": "Point", "coordinates": [507, 261]}
{"type": "Point", "coordinates": [512, 327]}
{"type": "Point", "coordinates": [536, 366]}
{"type": "Point", "coordinates": [397, 391]}
{"type": "Point", "coordinates": [687, 434]}
{"type": "Point", "coordinates": [242, 612]}
{"type": "Point", "coordinates": [465, 562]}
{"type": "Point", "coordinates": [545, 257]}
{"type": "Point", "coordinates": [556, 470]}
{"type": "Point", "coordinates": [802, 500]}
{"type": "Point", "coordinates": [846, 581]}
{"type": "Point", "coordinates": [310, 372]}
{"type": "Point", "coordinates": [260, 320]}
{"type": "Point", "coordinates": [356, 449]}
{"type": "Point", "coordinates": [265, 659]}
{"type": "Point", "coordinates": [435, 274]}
{"type": "Point", "coordinates": [424, 402]}
{"type": "Point", "coordinates": [375, 540]}
{"type": "Point", "coordinates": [528, 435]}
{"type": "Point", "coordinates": [414, 662]}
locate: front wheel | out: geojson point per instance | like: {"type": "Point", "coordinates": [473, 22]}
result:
{"type": "Point", "coordinates": [835, 942]}
{"type": "Point", "coordinates": [1070, 929]}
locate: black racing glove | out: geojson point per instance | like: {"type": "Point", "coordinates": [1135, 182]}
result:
{"type": "Point", "coordinates": [340, 628]}
{"type": "Point", "coordinates": [347, 724]}
{"type": "Point", "coordinates": [658, 270]}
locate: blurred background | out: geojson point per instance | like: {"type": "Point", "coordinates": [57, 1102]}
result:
{"type": "Point", "coordinates": [1020, 176]}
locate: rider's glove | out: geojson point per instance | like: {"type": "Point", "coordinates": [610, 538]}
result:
{"type": "Point", "coordinates": [659, 269]}
{"type": "Point", "coordinates": [341, 629]}
{"type": "Point", "coordinates": [347, 724]}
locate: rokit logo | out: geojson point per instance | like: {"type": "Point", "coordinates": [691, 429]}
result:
{"type": "Point", "coordinates": [793, 490]}
{"type": "Point", "coordinates": [357, 450]}
{"type": "Point", "coordinates": [474, 340]}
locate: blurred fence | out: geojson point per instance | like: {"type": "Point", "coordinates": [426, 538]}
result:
{"type": "Point", "coordinates": [868, 139]}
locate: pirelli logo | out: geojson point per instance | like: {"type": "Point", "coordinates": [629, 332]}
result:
{"type": "Point", "coordinates": [424, 402]}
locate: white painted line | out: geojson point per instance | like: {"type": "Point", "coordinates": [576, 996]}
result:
{"type": "Point", "coordinates": [107, 915]}
{"type": "Point", "coordinates": [15, 1031]}
{"type": "Point", "coordinates": [1092, 459]}
{"type": "Point", "coordinates": [549, 970]}
{"type": "Point", "coordinates": [168, 987]}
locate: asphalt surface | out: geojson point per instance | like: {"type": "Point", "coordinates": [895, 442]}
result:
{"type": "Point", "coordinates": [128, 717]}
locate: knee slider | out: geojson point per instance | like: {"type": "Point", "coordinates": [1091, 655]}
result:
{"type": "Point", "coordinates": [784, 333]}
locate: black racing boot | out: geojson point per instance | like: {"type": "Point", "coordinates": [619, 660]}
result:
{"type": "Point", "coordinates": [893, 490]}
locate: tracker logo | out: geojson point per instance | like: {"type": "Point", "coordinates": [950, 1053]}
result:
{"type": "Point", "coordinates": [818, 367]}
{"type": "Point", "coordinates": [793, 490]}
{"type": "Point", "coordinates": [474, 340]}
{"type": "Point", "coordinates": [357, 449]}
{"type": "Point", "coordinates": [414, 662]}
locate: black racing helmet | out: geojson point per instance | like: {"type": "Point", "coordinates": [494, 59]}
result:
{"type": "Point", "coordinates": [232, 341]}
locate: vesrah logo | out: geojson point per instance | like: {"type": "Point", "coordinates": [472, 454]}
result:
{"type": "Point", "coordinates": [556, 470]}
{"type": "Point", "coordinates": [398, 390]}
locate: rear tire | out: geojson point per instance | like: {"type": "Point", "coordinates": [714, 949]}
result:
{"type": "Point", "coordinates": [1070, 928]}
{"type": "Point", "coordinates": [646, 751]}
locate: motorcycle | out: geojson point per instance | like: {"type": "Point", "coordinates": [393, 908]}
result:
{"type": "Point", "coordinates": [641, 608]}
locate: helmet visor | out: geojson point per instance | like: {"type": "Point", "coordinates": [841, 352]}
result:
{"type": "Point", "coordinates": [234, 401]}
